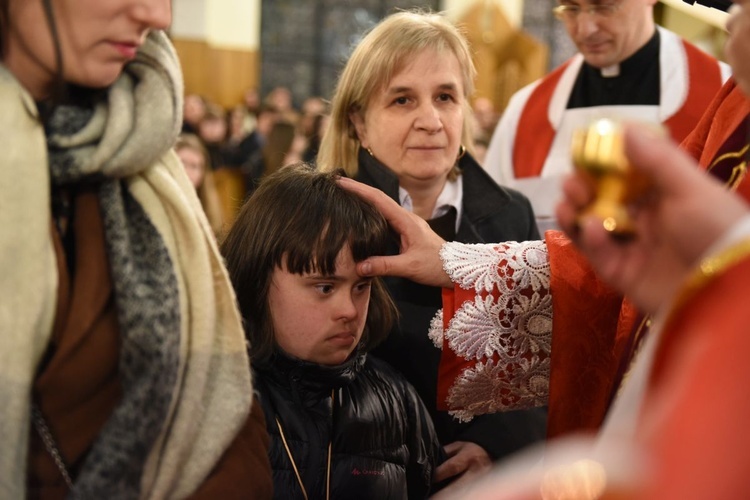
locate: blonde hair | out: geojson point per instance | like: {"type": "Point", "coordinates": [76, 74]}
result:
{"type": "Point", "coordinates": [207, 192]}
{"type": "Point", "coordinates": [382, 53]}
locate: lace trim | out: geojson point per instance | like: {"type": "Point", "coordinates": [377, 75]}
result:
{"type": "Point", "coordinates": [487, 387]}
{"type": "Point", "coordinates": [481, 266]}
{"type": "Point", "coordinates": [471, 266]}
{"type": "Point", "coordinates": [436, 330]}
{"type": "Point", "coordinates": [506, 330]}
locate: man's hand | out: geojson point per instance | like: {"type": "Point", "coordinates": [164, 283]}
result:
{"type": "Point", "coordinates": [466, 462]}
{"type": "Point", "coordinates": [419, 259]}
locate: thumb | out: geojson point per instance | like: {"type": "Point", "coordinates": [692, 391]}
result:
{"type": "Point", "coordinates": [379, 266]}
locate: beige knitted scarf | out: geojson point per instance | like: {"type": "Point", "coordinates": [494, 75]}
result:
{"type": "Point", "coordinates": [183, 364]}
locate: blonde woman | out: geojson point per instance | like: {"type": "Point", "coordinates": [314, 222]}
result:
{"type": "Point", "coordinates": [400, 121]}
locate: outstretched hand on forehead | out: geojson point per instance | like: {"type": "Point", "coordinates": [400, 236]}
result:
{"type": "Point", "coordinates": [419, 258]}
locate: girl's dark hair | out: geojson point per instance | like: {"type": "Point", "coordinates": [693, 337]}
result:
{"type": "Point", "coordinates": [4, 9]}
{"type": "Point", "coordinates": [301, 218]}
{"type": "Point", "coordinates": [50, 15]}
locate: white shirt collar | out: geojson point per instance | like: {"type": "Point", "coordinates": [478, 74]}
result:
{"type": "Point", "coordinates": [452, 195]}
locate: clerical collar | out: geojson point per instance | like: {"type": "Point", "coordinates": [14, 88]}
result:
{"type": "Point", "coordinates": [611, 71]}
{"type": "Point", "coordinates": [641, 57]}
{"type": "Point", "coordinates": [638, 81]}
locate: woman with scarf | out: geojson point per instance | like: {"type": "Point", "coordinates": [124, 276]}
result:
{"type": "Point", "coordinates": [123, 369]}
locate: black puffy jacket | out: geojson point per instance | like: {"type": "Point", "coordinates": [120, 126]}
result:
{"type": "Point", "coordinates": [383, 443]}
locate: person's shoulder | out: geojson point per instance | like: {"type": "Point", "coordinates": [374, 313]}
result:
{"type": "Point", "coordinates": [16, 103]}
{"type": "Point", "coordinates": [669, 36]}
{"type": "Point", "coordinates": [381, 372]}
{"type": "Point", "coordinates": [695, 53]}
{"type": "Point", "coordinates": [516, 197]}
{"type": "Point", "coordinates": [549, 76]}
{"type": "Point", "coordinates": [521, 96]}
{"type": "Point", "coordinates": [380, 367]}
{"type": "Point", "coordinates": [172, 164]}
{"type": "Point", "coordinates": [670, 39]}
{"type": "Point", "coordinates": [477, 182]}
{"type": "Point", "coordinates": [373, 173]}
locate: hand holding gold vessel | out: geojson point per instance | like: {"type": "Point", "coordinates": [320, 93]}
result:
{"type": "Point", "coordinates": [598, 151]}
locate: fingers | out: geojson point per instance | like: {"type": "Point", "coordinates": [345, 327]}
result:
{"type": "Point", "coordinates": [594, 239]}
{"type": "Point", "coordinates": [464, 456]}
{"type": "Point", "coordinates": [425, 267]}
{"type": "Point", "coordinates": [397, 217]}
{"type": "Point", "coordinates": [735, 11]}
{"type": "Point", "coordinates": [448, 469]}
{"type": "Point", "coordinates": [567, 216]}
{"type": "Point", "coordinates": [420, 246]}
{"type": "Point", "coordinates": [578, 192]}
{"type": "Point", "coordinates": [674, 175]}
{"type": "Point", "coordinates": [453, 448]}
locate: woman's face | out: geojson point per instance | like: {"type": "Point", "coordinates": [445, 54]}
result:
{"type": "Point", "coordinates": [97, 38]}
{"type": "Point", "coordinates": [413, 125]}
{"type": "Point", "coordinates": [320, 318]}
{"type": "Point", "coordinates": [738, 44]}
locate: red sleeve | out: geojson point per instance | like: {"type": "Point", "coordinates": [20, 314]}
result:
{"type": "Point", "coordinates": [591, 328]}
{"type": "Point", "coordinates": [695, 415]}
{"type": "Point", "coordinates": [697, 140]}
{"type": "Point", "coordinates": [451, 365]}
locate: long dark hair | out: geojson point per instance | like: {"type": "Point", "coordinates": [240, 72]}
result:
{"type": "Point", "coordinates": [301, 218]}
{"type": "Point", "coordinates": [49, 13]}
{"type": "Point", "coordinates": [4, 7]}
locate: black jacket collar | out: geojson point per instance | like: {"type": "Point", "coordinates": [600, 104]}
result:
{"type": "Point", "coordinates": [482, 196]}
{"type": "Point", "coordinates": [312, 377]}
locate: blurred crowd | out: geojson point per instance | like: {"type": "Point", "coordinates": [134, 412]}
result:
{"type": "Point", "coordinates": [228, 151]}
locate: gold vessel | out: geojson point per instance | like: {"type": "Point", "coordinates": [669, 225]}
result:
{"type": "Point", "coordinates": [599, 151]}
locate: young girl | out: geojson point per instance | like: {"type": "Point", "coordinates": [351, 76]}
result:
{"type": "Point", "coordinates": [195, 159]}
{"type": "Point", "coordinates": [342, 424]}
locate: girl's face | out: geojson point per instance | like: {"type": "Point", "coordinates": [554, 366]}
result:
{"type": "Point", "coordinates": [97, 38]}
{"type": "Point", "coordinates": [194, 163]}
{"type": "Point", "coordinates": [320, 318]}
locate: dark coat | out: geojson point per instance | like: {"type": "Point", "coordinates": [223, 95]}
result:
{"type": "Point", "coordinates": [491, 214]}
{"type": "Point", "coordinates": [384, 445]}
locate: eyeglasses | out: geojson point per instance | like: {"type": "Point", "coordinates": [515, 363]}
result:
{"type": "Point", "coordinates": [570, 12]}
